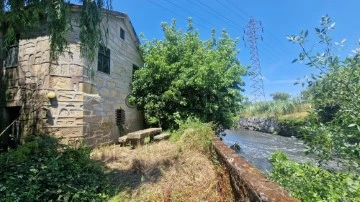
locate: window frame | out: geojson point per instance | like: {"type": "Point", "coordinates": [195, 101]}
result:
{"type": "Point", "coordinates": [104, 58]}
{"type": "Point", "coordinates": [122, 33]}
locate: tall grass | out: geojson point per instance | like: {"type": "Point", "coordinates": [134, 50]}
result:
{"type": "Point", "coordinates": [177, 170]}
{"type": "Point", "coordinates": [274, 108]}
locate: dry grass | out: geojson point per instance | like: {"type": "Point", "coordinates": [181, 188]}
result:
{"type": "Point", "coordinates": [165, 171]}
{"type": "Point", "coordinates": [294, 115]}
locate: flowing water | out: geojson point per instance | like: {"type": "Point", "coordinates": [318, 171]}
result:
{"type": "Point", "coordinates": [257, 147]}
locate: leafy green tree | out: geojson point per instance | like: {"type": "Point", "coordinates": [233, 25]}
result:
{"type": "Point", "coordinates": [280, 96]}
{"type": "Point", "coordinates": [334, 130]}
{"type": "Point", "coordinates": [24, 16]}
{"type": "Point", "coordinates": [185, 77]}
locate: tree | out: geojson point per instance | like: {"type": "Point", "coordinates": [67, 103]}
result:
{"type": "Point", "coordinates": [334, 130]}
{"type": "Point", "coordinates": [24, 16]}
{"type": "Point", "coordinates": [185, 77]}
{"type": "Point", "coordinates": [280, 96]}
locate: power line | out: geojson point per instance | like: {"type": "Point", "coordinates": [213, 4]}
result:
{"type": "Point", "coordinates": [272, 37]}
{"type": "Point", "coordinates": [230, 9]}
{"type": "Point", "coordinates": [191, 13]}
{"type": "Point", "coordinates": [217, 13]}
{"type": "Point", "coordinates": [212, 11]}
{"type": "Point", "coordinates": [235, 6]}
{"type": "Point", "coordinates": [170, 11]}
{"type": "Point", "coordinates": [233, 24]}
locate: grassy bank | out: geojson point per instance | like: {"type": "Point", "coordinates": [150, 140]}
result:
{"type": "Point", "coordinates": [293, 108]}
{"type": "Point", "coordinates": [182, 169]}
{"type": "Point", "coordinates": [176, 170]}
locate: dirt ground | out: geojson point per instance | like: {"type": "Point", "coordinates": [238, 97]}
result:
{"type": "Point", "coordinates": [164, 171]}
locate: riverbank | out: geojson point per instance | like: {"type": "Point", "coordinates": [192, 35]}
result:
{"type": "Point", "coordinates": [164, 171]}
{"type": "Point", "coordinates": [287, 127]}
{"type": "Point", "coordinates": [181, 169]}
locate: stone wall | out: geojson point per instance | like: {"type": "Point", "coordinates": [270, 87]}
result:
{"type": "Point", "coordinates": [113, 88]}
{"type": "Point", "coordinates": [86, 99]}
{"type": "Point", "coordinates": [266, 125]}
{"type": "Point", "coordinates": [248, 183]}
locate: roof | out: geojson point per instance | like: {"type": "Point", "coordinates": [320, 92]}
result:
{"type": "Point", "coordinates": [118, 14]}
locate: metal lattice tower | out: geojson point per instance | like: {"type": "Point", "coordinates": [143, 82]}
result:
{"type": "Point", "coordinates": [256, 78]}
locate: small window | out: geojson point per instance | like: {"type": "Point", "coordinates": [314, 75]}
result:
{"type": "Point", "coordinates": [120, 117]}
{"type": "Point", "coordinates": [122, 33]}
{"type": "Point", "coordinates": [104, 59]}
{"type": "Point", "coordinates": [134, 68]}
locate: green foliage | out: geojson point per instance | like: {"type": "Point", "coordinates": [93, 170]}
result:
{"type": "Point", "coordinates": [44, 170]}
{"type": "Point", "coordinates": [185, 77]}
{"type": "Point", "coordinates": [334, 130]}
{"type": "Point", "coordinates": [280, 96]}
{"type": "Point", "coordinates": [194, 135]}
{"type": "Point", "coordinates": [291, 127]}
{"type": "Point", "coordinates": [310, 183]}
{"type": "Point", "coordinates": [273, 108]}
{"type": "Point", "coordinates": [25, 16]}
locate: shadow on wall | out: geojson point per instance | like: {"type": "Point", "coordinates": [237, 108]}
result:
{"type": "Point", "coordinates": [21, 86]}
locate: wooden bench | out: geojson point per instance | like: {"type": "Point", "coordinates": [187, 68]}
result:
{"type": "Point", "coordinates": [137, 138]}
{"type": "Point", "coordinates": [162, 136]}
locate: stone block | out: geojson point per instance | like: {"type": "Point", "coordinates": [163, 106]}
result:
{"type": "Point", "coordinates": [61, 83]}
{"type": "Point", "coordinates": [76, 70]}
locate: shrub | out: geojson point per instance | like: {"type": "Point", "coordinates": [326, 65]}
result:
{"type": "Point", "coordinates": [291, 127]}
{"type": "Point", "coordinates": [184, 76]}
{"type": "Point", "coordinates": [310, 183]}
{"type": "Point", "coordinates": [44, 170]}
{"type": "Point", "coordinates": [280, 96]}
{"type": "Point", "coordinates": [335, 94]}
{"type": "Point", "coordinates": [195, 135]}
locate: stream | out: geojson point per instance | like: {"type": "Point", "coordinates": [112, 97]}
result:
{"type": "Point", "coordinates": [257, 147]}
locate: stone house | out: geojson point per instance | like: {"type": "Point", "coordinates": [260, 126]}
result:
{"type": "Point", "coordinates": [71, 98]}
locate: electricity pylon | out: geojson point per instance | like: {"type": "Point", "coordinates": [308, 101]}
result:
{"type": "Point", "coordinates": [256, 78]}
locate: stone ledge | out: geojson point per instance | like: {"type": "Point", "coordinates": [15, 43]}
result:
{"type": "Point", "coordinates": [144, 133]}
{"type": "Point", "coordinates": [248, 183]}
{"type": "Point", "coordinates": [162, 136]}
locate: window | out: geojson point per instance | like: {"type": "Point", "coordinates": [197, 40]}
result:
{"type": "Point", "coordinates": [104, 59]}
{"type": "Point", "coordinates": [120, 117]}
{"type": "Point", "coordinates": [122, 33]}
{"type": "Point", "coordinates": [134, 68]}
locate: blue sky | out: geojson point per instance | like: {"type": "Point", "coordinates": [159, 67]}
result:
{"type": "Point", "coordinates": [279, 19]}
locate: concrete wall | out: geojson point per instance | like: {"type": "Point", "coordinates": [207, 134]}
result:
{"type": "Point", "coordinates": [86, 100]}
{"type": "Point", "coordinates": [247, 182]}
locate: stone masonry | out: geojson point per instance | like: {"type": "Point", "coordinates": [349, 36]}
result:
{"type": "Point", "coordinates": [86, 99]}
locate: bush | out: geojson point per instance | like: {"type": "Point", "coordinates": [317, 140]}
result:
{"type": "Point", "coordinates": [310, 183]}
{"type": "Point", "coordinates": [195, 135]}
{"type": "Point", "coordinates": [291, 127]}
{"type": "Point", "coordinates": [44, 170]}
{"type": "Point", "coordinates": [184, 77]}
{"type": "Point", "coordinates": [334, 132]}
{"type": "Point", "coordinates": [280, 96]}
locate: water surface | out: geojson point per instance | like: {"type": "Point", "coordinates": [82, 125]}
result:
{"type": "Point", "coordinates": [257, 147]}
